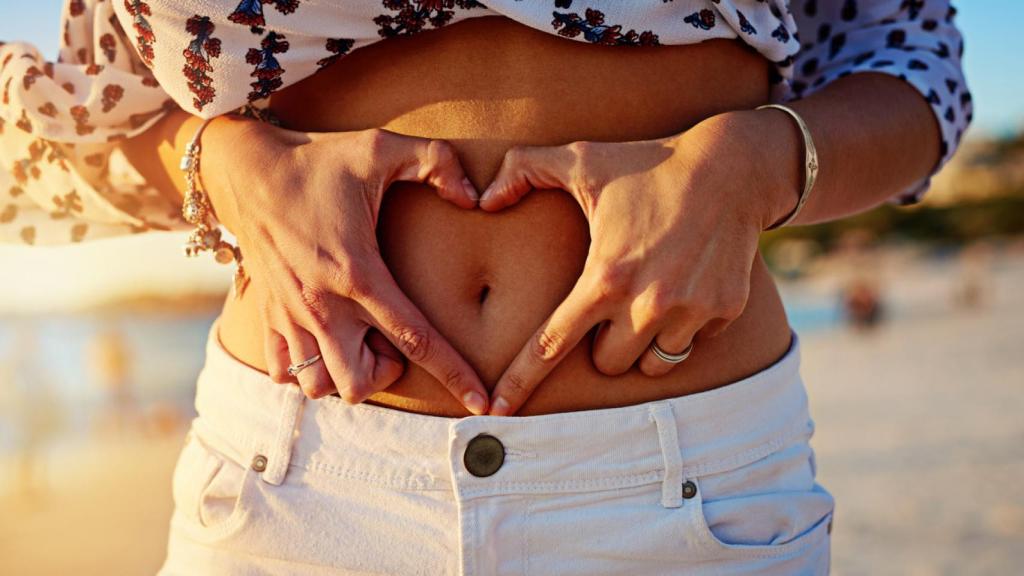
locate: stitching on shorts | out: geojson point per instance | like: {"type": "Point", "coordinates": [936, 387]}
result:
{"type": "Point", "coordinates": [581, 485]}
{"type": "Point", "coordinates": [415, 483]}
{"type": "Point", "coordinates": [770, 551]}
{"type": "Point", "coordinates": [528, 517]}
{"type": "Point", "coordinates": [741, 459]}
{"type": "Point", "coordinates": [473, 534]}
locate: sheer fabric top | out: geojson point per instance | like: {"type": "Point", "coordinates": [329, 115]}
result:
{"type": "Point", "coordinates": [122, 64]}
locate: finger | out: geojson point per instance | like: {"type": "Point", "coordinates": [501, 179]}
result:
{"type": "Point", "coordinates": [435, 162]}
{"type": "Point", "coordinates": [672, 339]}
{"type": "Point", "coordinates": [559, 334]}
{"type": "Point", "coordinates": [276, 349]}
{"type": "Point", "coordinates": [359, 360]}
{"type": "Point", "coordinates": [407, 329]}
{"type": "Point", "coordinates": [390, 364]}
{"type": "Point", "coordinates": [524, 168]}
{"type": "Point", "coordinates": [314, 379]}
{"type": "Point", "coordinates": [618, 345]}
{"type": "Point", "coordinates": [348, 361]}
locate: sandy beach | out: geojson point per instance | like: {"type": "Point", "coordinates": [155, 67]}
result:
{"type": "Point", "coordinates": [919, 437]}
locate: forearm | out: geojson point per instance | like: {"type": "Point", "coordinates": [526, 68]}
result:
{"type": "Point", "coordinates": [875, 136]}
{"type": "Point", "coordinates": [157, 152]}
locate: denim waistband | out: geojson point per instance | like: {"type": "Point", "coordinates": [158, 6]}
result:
{"type": "Point", "coordinates": [275, 427]}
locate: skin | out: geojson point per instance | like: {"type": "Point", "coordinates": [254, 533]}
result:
{"type": "Point", "coordinates": [649, 288]}
{"type": "Point", "coordinates": [637, 287]}
{"type": "Point", "coordinates": [332, 294]}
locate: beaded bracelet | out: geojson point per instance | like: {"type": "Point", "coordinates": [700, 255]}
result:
{"type": "Point", "coordinates": [196, 210]}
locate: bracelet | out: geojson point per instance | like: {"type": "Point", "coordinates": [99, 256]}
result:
{"type": "Point", "coordinates": [197, 211]}
{"type": "Point", "coordinates": [810, 164]}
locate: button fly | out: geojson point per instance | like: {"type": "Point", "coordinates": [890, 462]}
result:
{"type": "Point", "coordinates": [484, 455]}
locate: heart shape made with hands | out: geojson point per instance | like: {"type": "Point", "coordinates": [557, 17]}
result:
{"type": "Point", "coordinates": [485, 280]}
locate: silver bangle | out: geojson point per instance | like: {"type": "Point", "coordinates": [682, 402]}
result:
{"type": "Point", "coordinates": [810, 164]}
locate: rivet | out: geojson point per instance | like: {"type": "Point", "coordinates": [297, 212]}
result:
{"type": "Point", "coordinates": [259, 463]}
{"type": "Point", "coordinates": [689, 489]}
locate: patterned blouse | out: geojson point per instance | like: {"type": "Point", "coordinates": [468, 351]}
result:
{"type": "Point", "coordinates": [124, 63]}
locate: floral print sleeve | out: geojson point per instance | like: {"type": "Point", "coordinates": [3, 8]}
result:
{"type": "Point", "coordinates": [915, 40]}
{"type": "Point", "coordinates": [124, 63]}
{"type": "Point", "coordinates": [60, 126]}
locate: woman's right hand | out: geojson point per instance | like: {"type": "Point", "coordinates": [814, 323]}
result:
{"type": "Point", "coordinates": [304, 207]}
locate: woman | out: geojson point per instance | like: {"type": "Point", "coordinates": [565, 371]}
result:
{"type": "Point", "coordinates": [527, 266]}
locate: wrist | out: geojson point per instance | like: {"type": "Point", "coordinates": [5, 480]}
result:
{"type": "Point", "coordinates": [223, 142]}
{"type": "Point", "coordinates": [769, 147]}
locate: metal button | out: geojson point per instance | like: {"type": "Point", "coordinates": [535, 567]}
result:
{"type": "Point", "coordinates": [259, 463]}
{"type": "Point", "coordinates": [484, 455]}
{"type": "Point", "coordinates": [689, 489]}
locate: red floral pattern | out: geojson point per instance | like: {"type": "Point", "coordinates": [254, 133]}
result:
{"type": "Point", "coordinates": [268, 70]}
{"type": "Point", "coordinates": [197, 67]}
{"type": "Point", "coordinates": [414, 15]}
{"type": "Point", "coordinates": [112, 94]}
{"type": "Point", "coordinates": [59, 122]}
{"type": "Point", "coordinates": [338, 47]}
{"type": "Point", "coordinates": [109, 46]}
{"type": "Point", "coordinates": [593, 28]}
{"type": "Point", "coordinates": [145, 37]}
{"type": "Point", "coordinates": [80, 114]}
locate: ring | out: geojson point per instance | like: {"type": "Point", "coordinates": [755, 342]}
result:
{"type": "Point", "coordinates": [671, 358]}
{"type": "Point", "coordinates": [294, 369]}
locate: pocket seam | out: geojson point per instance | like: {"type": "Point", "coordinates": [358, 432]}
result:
{"type": "Point", "coordinates": [708, 539]}
{"type": "Point", "coordinates": [193, 527]}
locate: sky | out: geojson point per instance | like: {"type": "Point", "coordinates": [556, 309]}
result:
{"type": "Point", "coordinates": [69, 276]}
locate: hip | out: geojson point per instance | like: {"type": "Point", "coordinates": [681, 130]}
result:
{"type": "Point", "coordinates": [715, 482]}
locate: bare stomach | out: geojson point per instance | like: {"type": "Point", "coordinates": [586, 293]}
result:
{"type": "Point", "coordinates": [487, 281]}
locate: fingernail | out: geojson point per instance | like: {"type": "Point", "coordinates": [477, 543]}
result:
{"type": "Point", "coordinates": [487, 192]}
{"type": "Point", "coordinates": [500, 407]}
{"type": "Point", "coordinates": [470, 190]}
{"type": "Point", "coordinates": [475, 402]}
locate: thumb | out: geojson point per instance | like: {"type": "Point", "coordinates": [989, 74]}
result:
{"type": "Point", "coordinates": [525, 168]}
{"type": "Point", "coordinates": [436, 162]}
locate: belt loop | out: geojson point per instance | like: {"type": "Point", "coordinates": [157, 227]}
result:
{"type": "Point", "coordinates": [668, 438]}
{"type": "Point", "coordinates": [280, 453]}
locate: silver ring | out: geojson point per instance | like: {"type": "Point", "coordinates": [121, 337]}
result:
{"type": "Point", "coordinates": [294, 369]}
{"type": "Point", "coordinates": [671, 358]}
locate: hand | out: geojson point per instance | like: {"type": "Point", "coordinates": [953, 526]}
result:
{"type": "Point", "coordinates": [674, 225]}
{"type": "Point", "coordinates": [304, 208]}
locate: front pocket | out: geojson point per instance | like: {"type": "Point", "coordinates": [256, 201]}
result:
{"type": "Point", "coordinates": [209, 491]}
{"type": "Point", "coordinates": [763, 526]}
{"type": "Point", "coordinates": [766, 509]}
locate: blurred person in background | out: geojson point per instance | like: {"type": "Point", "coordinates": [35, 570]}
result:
{"type": "Point", "coordinates": [973, 285]}
{"type": "Point", "coordinates": [372, 399]}
{"type": "Point", "coordinates": [861, 295]}
{"type": "Point", "coordinates": [109, 361]}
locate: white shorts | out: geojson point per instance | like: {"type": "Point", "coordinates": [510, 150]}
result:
{"type": "Point", "coordinates": [720, 482]}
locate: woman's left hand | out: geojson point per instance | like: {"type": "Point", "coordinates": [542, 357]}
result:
{"type": "Point", "coordinates": [674, 226]}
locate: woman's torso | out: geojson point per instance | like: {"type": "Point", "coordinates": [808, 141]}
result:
{"type": "Point", "coordinates": [487, 281]}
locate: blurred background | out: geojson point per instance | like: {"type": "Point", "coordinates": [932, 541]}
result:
{"type": "Point", "coordinates": [911, 319]}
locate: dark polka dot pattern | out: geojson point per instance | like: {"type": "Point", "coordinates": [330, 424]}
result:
{"type": "Point", "coordinates": [124, 63]}
{"type": "Point", "coordinates": [909, 39]}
